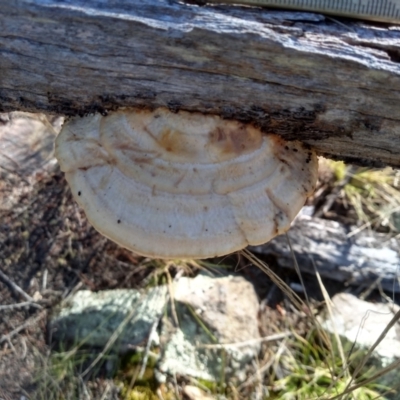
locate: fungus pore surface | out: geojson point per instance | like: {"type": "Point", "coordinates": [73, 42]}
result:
{"type": "Point", "coordinates": [183, 185]}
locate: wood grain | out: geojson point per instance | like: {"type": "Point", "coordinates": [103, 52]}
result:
{"type": "Point", "coordinates": [332, 84]}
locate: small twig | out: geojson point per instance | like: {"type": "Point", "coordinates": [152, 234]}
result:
{"type": "Point", "coordinates": [106, 390]}
{"type": "Point", "coordinates": [24, 348]}
{"type": "Point", "coordinates": [44, 279]}
{"type": "Point", "coordinates": [67, 296]}
{"type": "Point", "coordinates": [12, 347]}
{"type": "Point", "coordinates": [270, 338]}
{"type": "Point", "coordinates": [360, 228]}
{"type": "Point", "coordinates": [20, 305]}
{"type": "Point", "coordinates": [29, 322]}
{"type": "Point", "coordinates": [15, 287]}
{"type": "Point", "coordinates": [130, 317]}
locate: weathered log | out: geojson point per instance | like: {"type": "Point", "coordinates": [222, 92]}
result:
{"type": "Point", "coordinates": [364, 259]}
{"type": "Point", "coordinates": [333, 85]}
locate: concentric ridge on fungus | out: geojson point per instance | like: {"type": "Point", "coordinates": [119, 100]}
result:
{"type": "Point", "coordinates": [183, 185]}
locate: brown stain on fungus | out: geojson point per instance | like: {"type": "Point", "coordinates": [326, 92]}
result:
{"type": "Point", "coordinates": [278, 218]}
{"type": "Point", "coordinates": [176, 142]}
{"type": "Point", "coordinates": [275, 229]}
{"type": "Point", "coordinates": [142, 160]}
{"type": "Point", "coordinates": [170, 140]}
{"type": "Point", "coordinates": [167, 140]}
{"type": "Point", "coordinates": [235, 139]}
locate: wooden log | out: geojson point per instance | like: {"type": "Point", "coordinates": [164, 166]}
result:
{"type": "Point", "coordinates": [334, 85]}
{"type": "Point", "coordinates": [363, 259]}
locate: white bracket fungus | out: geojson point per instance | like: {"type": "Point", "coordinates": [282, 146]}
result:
{"type": "Point", "coordinates": [183, 185]}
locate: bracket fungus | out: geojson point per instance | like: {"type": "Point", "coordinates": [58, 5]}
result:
{"type": "Point", "coordinates": [183, 185]}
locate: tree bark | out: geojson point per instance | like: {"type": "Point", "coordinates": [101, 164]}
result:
{"type": "Point", "coordinates": [365, 259]}
{"type": "Point", "coordinates": [334, 85]}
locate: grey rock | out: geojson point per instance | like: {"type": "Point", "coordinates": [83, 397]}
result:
{"type": "Point", "coordinates": [26, 141]}
{"type": "Point", "coordinates": [217, 311]}
{"type": "Point", "coordinates": [361, 323]}
{"type": "Point", "coordinates": [212, 310]}
{"type": "Point", "coordinates": [94, 317]}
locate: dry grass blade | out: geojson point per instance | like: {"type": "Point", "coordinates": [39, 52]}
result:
{"type": "Point", "coordinates": [317, 325]}
{"type": "Point", "coordinates": [310, 371]}
{"type": "Point", "coordinates": [148, 345]}
{"type": "Point", "coordinates": [270, 338]}
{"type": "Point", "coordinates": [297, 268]}
{"type": "Point", "coordinates": [297, 301]}
{"type": "Point", "coordinates": [329, 304]}
{"type": "Point", "coordinates": [111, 341]}
{"type": "Point", "coordinates": [132, 382]}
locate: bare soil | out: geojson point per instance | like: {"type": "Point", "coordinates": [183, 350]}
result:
{"type": "Point", "coordinates": [48, 249]}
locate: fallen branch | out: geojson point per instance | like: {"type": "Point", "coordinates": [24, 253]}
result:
{"type": "Point", "coordinates": [332, 85]}
{"type": "Point", "coordinates": [365, 259]}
